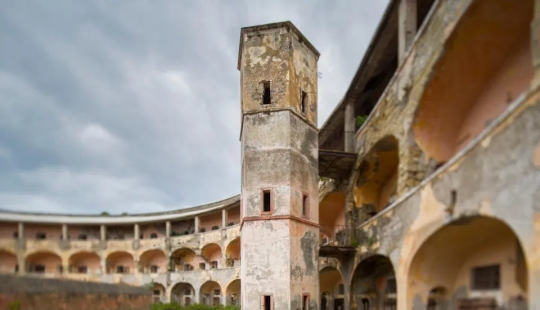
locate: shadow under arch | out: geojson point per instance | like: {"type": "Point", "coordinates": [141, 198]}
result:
{"type": "Point", "coordinates": [183, 293]}
{"type": "Point", "coordinates": [210, 293]}
{"type": "Point", "coordinates": [473, 253]}
{"type": "Point", "coordinates": [43, 262]}
{"type": "Point", "coordinates": [232, 253]}
{"type": "Point", "coordinates": [233, 293]}
{"type": "Point", "coordinates": [373, 284]}
{"type": "Point", "coordinates": [184, 259]}
{"type": "Point", "coordinates": [152, 261]}
{"type": "Point", "coordinates": [331, 288]}
{"type": "Point", "coordinates": [84, 262]}
{"type": "Point", "coordinates": [212, 253]}
{"type": "Point", "coordinates": [376, 184]}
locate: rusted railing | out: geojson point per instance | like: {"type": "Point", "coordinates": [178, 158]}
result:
{"type": "Point", "coordinates": [337, 235]}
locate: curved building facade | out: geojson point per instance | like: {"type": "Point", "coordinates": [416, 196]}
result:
{"type": "Point", "coordinates": [428, 184]}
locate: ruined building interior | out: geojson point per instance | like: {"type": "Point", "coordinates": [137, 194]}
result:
{"type": "Point", "coordinates": [420, 191]}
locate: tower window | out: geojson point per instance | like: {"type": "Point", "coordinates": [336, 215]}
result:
{"type": "Point", "coordinates": [305, 301]}
{"type": "Point", "coordinates": [303, 101]}
{"type": "Point", "coordinates": [267, 201]}
{"type": "Point", "coordinates": [305, 205]}
{"type": "Point", "coordinates": [266, 95]}
{"type": "Point", "coordinates": [266, 302]}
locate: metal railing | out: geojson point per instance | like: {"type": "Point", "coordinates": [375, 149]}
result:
{"type": "Point", "coordinates": [337, 235]}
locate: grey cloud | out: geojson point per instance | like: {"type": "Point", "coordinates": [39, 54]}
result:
{"type": "Point", "coordinates": [134, 105]}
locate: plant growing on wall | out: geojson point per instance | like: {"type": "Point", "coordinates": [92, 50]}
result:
{"type": "Point", "coordinates": [105, 213]}
{"type": "Point", "coordinates": [360, 120]}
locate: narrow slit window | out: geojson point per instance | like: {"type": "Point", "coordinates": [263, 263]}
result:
{"type": "Point", "coordinates": [267, 201]}
{"type": "Point", "coordinates": [303, 101]}
{"type": "Point", "coordinates": [305, 205]}
{"type": "Point", "coordinates": [266, 94]}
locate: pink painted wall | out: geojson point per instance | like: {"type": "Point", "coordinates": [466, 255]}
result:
{"type": "Point", "coordinates": [509, 83]}
{"type": "Point", "coordinates": [54, 232]}
{"type": "Point", "coordinates": [212, 219]}
{"type": "Point", "coordinates": [7, 230]}
{"type": "Point", "coordinates": [49, 260]}
{"type": "Point", "coordinates": [154, 257]}
{"type": "Point", "coordinates": [90, 260]}
{"type": "Point", "coordinates": [7, 262]}
{"type": "Point", "coordinates": [234, 215]}
{"type": "Point", "coordinates": [213, 253]}
{"type": "Point", "coordinates": [154, 228]}
{"type": "Point", "coordinates": [91, 232]}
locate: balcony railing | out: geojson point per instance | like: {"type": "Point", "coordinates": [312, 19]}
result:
{"type": "Point", "coordinates": [335, 241]}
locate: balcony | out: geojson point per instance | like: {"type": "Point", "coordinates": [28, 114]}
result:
{"type": "Point", "coordinates": [336, 243]}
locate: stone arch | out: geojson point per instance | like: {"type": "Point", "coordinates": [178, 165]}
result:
{"type": "Point", "coordinates": [8, 262]}
{"type": "Point", "coordinates": [210, 294]}
{"type": "Point", "coordinates": [183, 293]}
{"type": "Point", "coordinates": [212, 254]}
{"type": "Point", "coordinates": [462, 254]}
{"type": "Point", "coordinates": [374, 284]}
{"type": "Point", "coordinates": [158, 292]}
{"type": "Point", "coordinates": [457, 105]}
{"type": "Point", "coordinates": [84, 262]}
{"type": "Point", "coordinates": [332, 217]}
{"type": "Point", "coordinates": [153, 261]}
{"type": "Point", "coordinates": [331, 288]}
{"type": "Point", "coordinates": [233, 293]}
{"type": "Point", "coordinates": [44, 262]}
{"type": "Point", "coordinates": [185, 259]}
{"type": "Point", "coordinates": [376, 184]}
{"type": "Point", "coordinates": [120, 262]}
{"type": "Point", "coordinates": [232, 253]}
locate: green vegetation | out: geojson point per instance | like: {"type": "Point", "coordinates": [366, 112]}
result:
{"type": "Point", "coordinates": [175, 306]}
{"type": "Point", "coordinates": [105, 213]}
{"type": "Point", "coordinates": [14, 305]}
{"type": "Point", "coordinates": [360, 119]}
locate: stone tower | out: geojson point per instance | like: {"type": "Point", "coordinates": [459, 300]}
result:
{"type": "Point", "coordinates": [280, 203]}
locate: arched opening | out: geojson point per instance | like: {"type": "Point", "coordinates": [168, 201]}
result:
{"type": "Point", "coordinates": [331, 288]}
{"type": "Point", "coordinates": [376, 186]}
{"type": "Point", "coordinates": [374, 284]}
{"type": "Point", "coordinates": [210, 294]}
{"type": "Point", "coordinates": [84, 262]}
{"type": "Point", "coordinates": [183, 294]}
{"type": "Point", "coordinates": [44, 262]}
{"type": "Point", "coordinates": [158, 292]}
{"type": "Point", "coordinates": [233, 293]}
{"type": "Point", "coordinates": [233, 253]}
{"type": "Point", "coordinates": [153, 261]}
{"type": "Point", "coordinates": [8, 262]}
{"type": "Point", "coordinates": [437, 299]}
{"type": "Point", "coordinates": [477, 260]}
{"type": "Point", "coordinates": [487, 64]}
{"type": "Point", "coordinates": [185, 259]}
{"type": "Point", "coordinates": [211, 253]}
{"type": "Point", "coordinates": [332, 218]}
{"type": "Point", "coordinates": [120, 262]}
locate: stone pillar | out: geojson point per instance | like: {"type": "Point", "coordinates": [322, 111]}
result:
{"type": "Point", "coordinates": [168, 229]}
{"type": "Point", "coordinates": [137, 231]}
{"type": "Point", "coordinates": [224, 218]}
{"type": "Point", "coordinates": [21, 231]}
{"type": "Point", "coordinates": [103, 232]}
{"type": "Point", "coordinates": [64, 232]}
{"type": "Point", "coordinates": [22, 264]}
{"type": "Point", "coordinates": [406, 26]}
{"type": "Point", "coordinates": [350, 127]}
{"type": "Point", "coordinates": [196, 224]}
{"type": "Point", "coordinates": [103, 264]}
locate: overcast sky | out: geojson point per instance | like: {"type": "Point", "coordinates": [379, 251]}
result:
{"type": "Point", "coordinates": [133, 106]}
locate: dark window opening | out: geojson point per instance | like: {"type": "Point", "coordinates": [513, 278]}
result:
{"type": "Point", "coordinates": [39, 268]}
{"type": "Point", "coordinates": [267, 302]}
{"type": "Point", "coordinates": [486, 278]}
{"type": "Point", "coordinates": [365, 304]}
{"type": "Point", "coordinates": [153, 236]}
{"type": "Point", "coordinates": [215, 227]}
{"type": "Point", "coordinates": [214, 265]}
{"type": "Point", "coordinates": [391, 286]}
{"type": "Point", "coordinates": [82, 269]}
{"type": "Point", "coordinates": [187, 291]}
{"type": "Point", "coordinates": [267, 207]}
{"type": "Point", "coordinates": [17, 268]}
{"type": "Point", "coordinates": [303, 101]}
{"type": "Point", "coordinates": [341, 289]}
{"type": "Point", "coordinates": [41, 236]}
{"type": "Point", "coordinates": [188, 267]}
{"type": "Point", "coordinates": [202, 229]}
{"type": "Point", "coordinates": [305, 204]}
{"type": "Point", "coordinates": [217, 292]}
{"type": "Point", "coordinates": [60, 269]}
{"type": "Point", "coordinates": [154, 269]}
{"type": "Point", "coordinates": [230, 224]}
{"type": "Point", "coordinates": [82, 237]}
{"type": "Point", "coordinates": [305, 302]}
{"type": "Point", "coordinates": [16, 235]}
{"type": "Point", "coordinates": [266, 95]}
{"type": "Point", "coordinates": [121, 269]}
{"type": "Point", "coordinates": [202, 266]}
